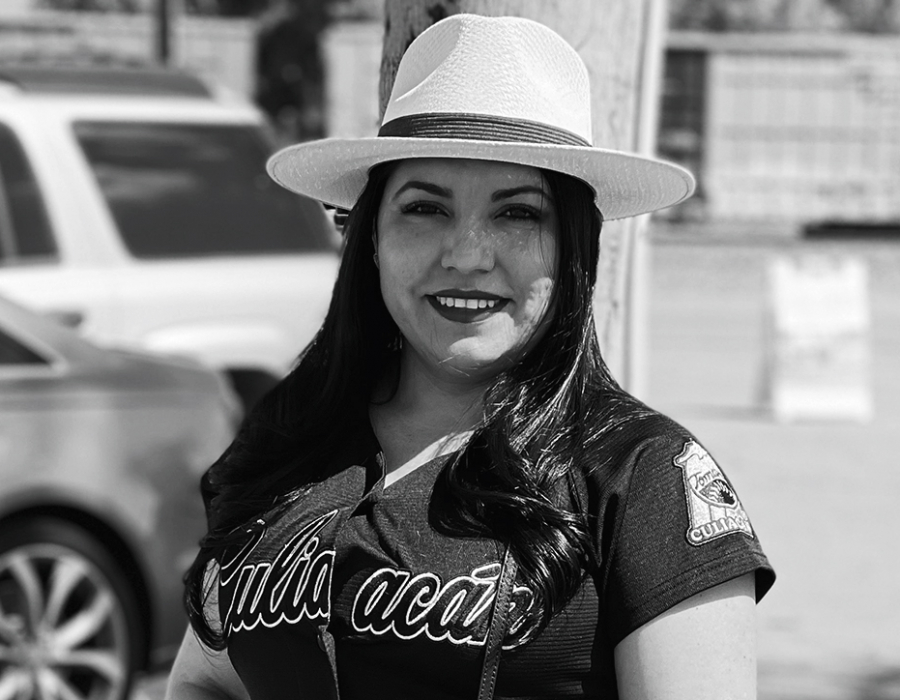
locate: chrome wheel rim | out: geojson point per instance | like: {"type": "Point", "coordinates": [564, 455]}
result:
{"type": "Point", "coordinates": [63, 631]}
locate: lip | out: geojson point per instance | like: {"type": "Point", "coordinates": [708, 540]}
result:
{"type": "Point", "coordinates": [466, 294]}
{"type": "Point", "coordinates": [465, 315]}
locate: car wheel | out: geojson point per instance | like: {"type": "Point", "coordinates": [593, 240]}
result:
{"type": "Point", "coordinates": [69, 624]}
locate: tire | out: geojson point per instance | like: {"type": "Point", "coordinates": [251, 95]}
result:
{"type": "Point", "coordinates": [69, 622]}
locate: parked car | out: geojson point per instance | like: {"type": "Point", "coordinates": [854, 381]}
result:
{"type": "Point", "coordinates": [134, 205]}
{"type": "Point", "coordinates": [101, 454]}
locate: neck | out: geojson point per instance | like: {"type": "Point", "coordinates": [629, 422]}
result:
{"type": "Point", "coordinates": [427, 410]}
{"type": "Point", "coordinates": [453, 399]}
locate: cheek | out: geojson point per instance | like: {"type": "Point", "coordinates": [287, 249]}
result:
{"type": "Point", "coordinates": [548, 248]}
{"type": "Point", "coordinates": [401, 263]}
{"type": "Point", "coordinates": [538, 269]}
{"type": "Point", "coordinates": [538, 303]}
{"type": "Point", "coordinates": [391, 273]}
{"type": "Point", "coordinates": [405, 250]}
{"type": "Point", "coordinates": [533, 255]}
{"type": "Point", "coordinates": [540, 279]}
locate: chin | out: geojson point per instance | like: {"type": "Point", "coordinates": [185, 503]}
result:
{"type": "Point", "coordinates": [479, 360]}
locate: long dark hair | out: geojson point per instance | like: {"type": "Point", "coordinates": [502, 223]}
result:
{"type": "Point", "coordinates": [541, 420]}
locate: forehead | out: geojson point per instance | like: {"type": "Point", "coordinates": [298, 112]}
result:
{"type": "Point", "coordinates": [461, 172]}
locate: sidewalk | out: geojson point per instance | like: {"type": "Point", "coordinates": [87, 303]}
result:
{"type": "Point", "coordinates": [823, 497]}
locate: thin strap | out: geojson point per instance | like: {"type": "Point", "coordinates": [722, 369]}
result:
{"type": "Point", "coordinates": [498, 626]}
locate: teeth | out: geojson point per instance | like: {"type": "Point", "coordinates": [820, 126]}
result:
{"type": "Point", "coordinates": [458, 303]}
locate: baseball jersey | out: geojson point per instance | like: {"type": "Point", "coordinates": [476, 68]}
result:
{"type": "Point", "coordinates": [353, 587]}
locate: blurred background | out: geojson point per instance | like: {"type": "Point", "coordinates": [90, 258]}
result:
{"type": "Point", "coordinates": [138, 319]}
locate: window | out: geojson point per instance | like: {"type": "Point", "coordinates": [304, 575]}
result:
{"type": "Point", "coordinates": [12, 352]}
{"type": "Point", "coordinates": [187, 190]}
{"type": "Point", "coordinates": [682, 128]}
{"type": "Point", "coordinates": [24, 227]}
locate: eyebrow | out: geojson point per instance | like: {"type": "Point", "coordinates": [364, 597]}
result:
{"type": "Point", "coordinates": [439, 191]}
{"type": "Point", "coordinates": [524, 189]}
{"type": "Point", "coordinates": [429, 187]}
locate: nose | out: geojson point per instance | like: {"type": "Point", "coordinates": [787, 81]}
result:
{"type": "Point", "coordinates": [469, 247]}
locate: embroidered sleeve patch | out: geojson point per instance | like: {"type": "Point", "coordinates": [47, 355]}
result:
{"type": "Point", "coordinates": [713, 507]}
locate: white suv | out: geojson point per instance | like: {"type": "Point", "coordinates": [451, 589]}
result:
{"type": "Point", "coordinates": [134, 204]}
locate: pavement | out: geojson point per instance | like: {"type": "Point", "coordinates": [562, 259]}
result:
{"type": "Point", "coordinates": [822, 495]}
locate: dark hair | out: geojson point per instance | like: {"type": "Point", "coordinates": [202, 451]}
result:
{"type": "Point", "coordinates": [541, 419]}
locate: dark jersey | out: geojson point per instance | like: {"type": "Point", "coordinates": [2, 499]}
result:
{"type": "Point", "coordinates": [353, 585]}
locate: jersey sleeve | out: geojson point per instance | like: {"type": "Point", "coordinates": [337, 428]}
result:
{"type": "Point", "coordinates": [680, 529]}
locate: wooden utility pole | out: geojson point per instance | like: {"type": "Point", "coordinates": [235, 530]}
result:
{"type": "Point", "coordinates": [163, 31]}
{"type": "Point", "coordinates": [621, 42]}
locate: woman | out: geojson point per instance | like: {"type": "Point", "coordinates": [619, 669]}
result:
{"type": "Point", "coordinates": [452, 435]}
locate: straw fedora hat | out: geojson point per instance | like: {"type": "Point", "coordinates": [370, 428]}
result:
{"type": "Point", "coordinates": [488, 88]}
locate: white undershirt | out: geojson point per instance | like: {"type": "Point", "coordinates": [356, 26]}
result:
{"type": "Point", "coordinates": [445, 445]}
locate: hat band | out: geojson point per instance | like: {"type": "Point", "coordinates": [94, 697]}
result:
{"type": "Point", "coordinates": [478, 127]}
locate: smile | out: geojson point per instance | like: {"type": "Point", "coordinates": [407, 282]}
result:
{"type": "Point", "coordinates": [458, 303]}
{"type": "Point", "coordinates": [464, 308]}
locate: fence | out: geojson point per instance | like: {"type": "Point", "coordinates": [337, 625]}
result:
{"type": "Point", "coordinates": [790, 127]}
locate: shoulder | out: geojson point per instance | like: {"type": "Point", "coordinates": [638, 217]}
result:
{"type": "Point", "coordinates": [664, 516]}
{"type": "Point", "coordinates": [623, 436]}
{"type": "Point", "coordinates": [642, 463]}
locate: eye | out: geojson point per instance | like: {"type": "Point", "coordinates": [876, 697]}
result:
{"type": "Point", "coordinates": [521, 212]}
{"type": "Point", "coordinates": [422, 208]}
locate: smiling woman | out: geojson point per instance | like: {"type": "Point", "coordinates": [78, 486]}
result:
{"type": "Point", "coordinates": [450, 475]}
{"type": "Point", "coordinates": [467, 253]}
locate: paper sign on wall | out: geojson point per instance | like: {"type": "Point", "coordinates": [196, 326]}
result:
{"type": "Point", "coordinates": [817, 332]}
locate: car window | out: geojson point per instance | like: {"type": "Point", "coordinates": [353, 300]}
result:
{"type": "Point", "coordinates": [12, 352]}
{"type": "Point", "coordinates": [24, 226]}
{"type": "Point", "coordinates": [183, 190]}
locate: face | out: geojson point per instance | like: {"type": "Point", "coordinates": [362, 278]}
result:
{"type": "Point", "coordinates": [467, 260]}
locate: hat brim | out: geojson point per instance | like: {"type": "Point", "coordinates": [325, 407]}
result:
{"type": "Point", "coordinates": [334, 171]}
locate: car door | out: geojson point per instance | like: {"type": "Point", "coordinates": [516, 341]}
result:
{"type": "Point", "coordinates": [39, 211]}
{"type": "Point", "coordinates": [222, 263]}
